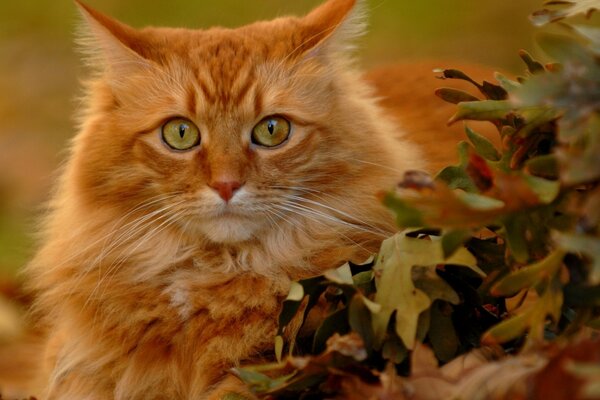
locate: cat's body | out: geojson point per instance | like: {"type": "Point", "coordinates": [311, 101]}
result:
{"type": "Point", "coordinates": [161, 269]}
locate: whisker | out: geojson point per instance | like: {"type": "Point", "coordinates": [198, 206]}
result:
{"type": "Point", "coordinates": [349, 216]}
{"type": "Point", "coordinates": [145, 222]}
{"type": "Point", "coordinates": [321, 222]}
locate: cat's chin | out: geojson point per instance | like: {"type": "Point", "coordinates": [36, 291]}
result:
{"type": "Point", "coordinates": [229, 229]}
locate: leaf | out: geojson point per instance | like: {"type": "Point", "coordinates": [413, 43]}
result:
{"type": "Point", "coordinates": [337, 322]}
{"type": "Point", "coordinates": [506, 331]}
{"type": "Point", "coordinates": [296, 292]}
{"type": "Point", "coordinates": [396, 290]}
{"type": "Point", "coordinates": [545, 190]}
{"type": "Point", "coordinates": [394, 350]}
{"type": "Point", "coordinates": [406, 216]}
{"type": "Point", "coordinates": [453, 240]}
{"type": "Point", "coordinates": [526, 277]}
{"type": "Point", "coordinates": [279, 347]}
{"type": "Point", "coordinates": [532, 319]}
{"type": "Point", "coordinates": [486, 110]}
{"type": "Point", "coordinates": [534, 66]}
{"type": "Point", "coordinates": [341, 275]}
{"type": "Point", "coordinates": [454, 96]}
{"type": "Point", "coordinates": [257, 381]}
{"type": "Point", "coordinates": [545, 166]}
{"type": "Point", "coordinates": [515, 226]}
{"type": "Point", "coordinates": [442, 334]}
{"type": "Point", "coordinates": [482, 145]}
{"type": "Point", "coordinates": [508, 84]}
{"type": "Point", "coordinates": [456, 74]}
{"type": "Point", "coordinates": [479, 202]}
{"type": "Point", "coordinates": [428, 281]}
{"type": "Point", "coordinates": [493, 92]}
{"type": "Point", "coordinates": [359, 318]}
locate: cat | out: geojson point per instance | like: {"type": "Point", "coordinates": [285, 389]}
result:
{"type": "Point", "coordinates": [211, 169]}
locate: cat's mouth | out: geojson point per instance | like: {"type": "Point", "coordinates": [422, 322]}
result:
{"type": "Point", "coordinates": [230, 225]}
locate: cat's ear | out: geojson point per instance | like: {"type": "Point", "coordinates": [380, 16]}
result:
{"type": "Point", "coordinates": [333, 27]}
{"type": "Point", "coordinates": [111, 45]}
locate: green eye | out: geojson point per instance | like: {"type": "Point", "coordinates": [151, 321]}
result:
{"type": "Point", "coordinates": [271, 131]}
{"type": "Point", "coordinates": [180, 134]}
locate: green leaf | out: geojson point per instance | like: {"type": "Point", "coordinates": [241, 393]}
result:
{"type": "Point", "coordinates": [482, 145]}
{"type": "Point", "coordinates": [545, 190]}
{"type": "Point", "coordinates": [457, 178]}
{"type": "Point", "coordinates": [528, 276]}
{"type": "Point", "coordinates": [479, 202]}
{"type": "Point", "coordinates": [493, 92]}
{"type": "Point", "coordinates": [533, 318]}
{"type": "Point", "coordinates": [453, 240]}
{"type": "Point", "coordinates": [508, 84]}
{"type": "Point", "coordinates": [515, 226]}
{"type": "Point", "coordinates": [486, 110]}
{"type": "Point", "coordinates": [506, 330]}
{"type": "Point", "coordinates": [545, 166]}
{"type": "Point", "coordinates": [442, 333]}
{"type": "Point", "coordinates": [454, 96]}
{"type": "Point", "coordinates": [359, 317]}
{"type": "Point", "coordinates": [337, 322]}
{"type": "Point", "coordinates": [393, 350]}
{"type": "Point", "coordinates": [535, 117]}
{"type": "Point", "coordinates": [406, 216]}
{"type": "Point", "coordinates": [279, 347]}
{"type": "Point", "coordinates": [532, 65]}
{"type": "Point", "coordinates": [429, 282]}
{"type": "Point", "coordinates": [362, 279]}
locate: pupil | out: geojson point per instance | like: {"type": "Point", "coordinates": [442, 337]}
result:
{"type": "Point", "coordinates": [182, 129]}
{"type": "Point", "coordinates": [271, 126]}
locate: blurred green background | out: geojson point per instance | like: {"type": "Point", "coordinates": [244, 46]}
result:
{"type": "Point", "coordinates": [39, 72]}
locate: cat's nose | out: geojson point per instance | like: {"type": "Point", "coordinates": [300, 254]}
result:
{"type": "Point", "coordinates": [226, 189]}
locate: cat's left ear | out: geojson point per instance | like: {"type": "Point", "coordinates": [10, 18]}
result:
{"type": "Point", "coordinates": [111, 45]}
{"type": "Point", "coordinates": [333, 27]}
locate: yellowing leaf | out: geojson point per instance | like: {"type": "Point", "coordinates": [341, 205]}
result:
{"type": "Point", "coordinates": [396, 290]}
{"type": "Point", "coordinates": [342, 275]}
{"type": "Point", "coordinates": [296, 292]}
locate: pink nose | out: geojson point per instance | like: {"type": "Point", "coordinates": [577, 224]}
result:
{"type": "Point", "coordinates": [226, 189]}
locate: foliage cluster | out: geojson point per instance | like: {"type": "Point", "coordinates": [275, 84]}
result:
{"type": "Point", "coordinates": [500, 253]}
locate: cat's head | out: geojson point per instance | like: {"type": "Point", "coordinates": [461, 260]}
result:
{"type": "Point", "coordinates": [229, 133]}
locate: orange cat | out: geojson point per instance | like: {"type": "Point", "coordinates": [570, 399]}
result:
{"type": "Point", "coordinates": [212, 167]}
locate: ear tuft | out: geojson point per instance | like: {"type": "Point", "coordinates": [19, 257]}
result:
{"type": "Point", "coordinates": [108, 43]}
{"type": "Point", "coordinates": [334, 26]}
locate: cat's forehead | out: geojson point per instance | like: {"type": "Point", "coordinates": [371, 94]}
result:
{"type": "Point", "coordinates": [227, 66]}
{"type": "Point", "coordinates": [262, 41]}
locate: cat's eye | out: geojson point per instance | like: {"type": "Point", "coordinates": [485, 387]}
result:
{"type": "Point", "coordinates": [271, 131]}
{"type": "Point", "coordinates": [180, 134]}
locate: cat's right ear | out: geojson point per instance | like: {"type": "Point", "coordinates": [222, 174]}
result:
{"type": "Point", "coordinates": [110, 45]}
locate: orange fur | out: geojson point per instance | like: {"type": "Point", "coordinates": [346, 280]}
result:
{"type": "Point", "coordinates": [150, 286]}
